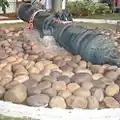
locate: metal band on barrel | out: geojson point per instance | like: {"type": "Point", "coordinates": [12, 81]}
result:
{"type": "Point", "coordinates": [30, 26]}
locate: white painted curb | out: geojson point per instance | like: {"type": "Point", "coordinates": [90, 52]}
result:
{"type": "Point", "coordinates": [11, 21]}
{"type": "Point", "coordinates": [96, 21]}
{"type": "Point", "coordinates": [41, 113]}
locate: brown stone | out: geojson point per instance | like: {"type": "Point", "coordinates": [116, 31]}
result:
{"type": "Point", "coordinates": [30, 64]}
{"type": "Point", "coordinates": [30, 83]}
{"type": "Point", "coordinates": [117, 97]}
{"type": "Point", "coordinates": [76, 58]}
{"type": "Point", "coordinates": [44, 85]}
{"type": "Point", "coordinates": [107, 81]}
{"type": "Point", "coordinates": [87, 85]}
{"type": "Point", "coordinates": [112, 89]}
{"type": "Point", "coordinates": [59, 85]}
{"type": "Point", "coordinates": [51, 66]}
{"type": "Point", "coordinates": [111, 102]}
{"type": "Point", "coordinates": [72, 87]}
{"type": "Point", "coordinates": [64, 93]}
{"type": "Point", "coordinates": [12, 84]}
{"type": "Point", "coordinates": [60, 63]}
{"type": "Point", "coordinates": [66, 68]}
{"type": "Point", "coordinates": [58, 102]}
{"type": "Point", "coordinates": [55, 74]}
{"type": "Point", "coordinates": [83, 64]}
{"type": "Point", "coordinates": [38, 100]}
{"type": "Point", "coordinates": [36, 49]}
{"type": "Point", "coordinates": [81, 77]}
{"type": "Point", "coordinates": [93, 102]}
{"type": "Point", "coordinates": [64, 78]}
{"type": "Point", "coordinates": [51, 92]}
{"type": "Point", "coordinates": [39, 65]}
{"type": "Point", "coordinates": [67, 73]}
{"type": "Point", "coordinates": [112, 75]}
{"type": "Point", "coordinates": [98, 69]}
{"type": "Point", "coordinates": [72, 64]}
{"type": "Point", "coordinates": [98, 84]}
{"type": "Point", "coordinates": [3, 54]}
{"type": "Point", "coordinates": [2, 91]}
{"type": "Point", "coordinates": [36, 77]}
{"type": "Point", "coordinates": [77, 102]}
{"type": "Point", "coordinates": [22, 71]}
{"type": "Point", "coordinates": [97, 76]}
{"type": "Point", "coordinates": [33, 70]}
{"type": "Point", "coordinates": [99, 94]}
{"type": "Point", "coordinates": [82, 92]}
{"type": "Point", "coordinates": [34, 90]}
{"type": "Point", "coordinates": [16, 94]}
{"type": "Point", "coordinates": [49, 78]}
{"type": "Point", "coordinates": [21, 78]}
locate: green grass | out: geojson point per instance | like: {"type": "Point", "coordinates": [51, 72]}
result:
{"type": "Point", "coordinates": [99, 25]}
{"type": "Point", "coordinates": [10, 118]}
{"type": "Point", "coordinates": [114, 16]}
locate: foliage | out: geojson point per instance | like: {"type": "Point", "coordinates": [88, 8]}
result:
{"type": "Point", "coordinates": [87, 8]}
{"type": "Point", "coordinates": [3, 5]}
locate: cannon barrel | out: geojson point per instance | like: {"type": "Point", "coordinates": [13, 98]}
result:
{"type": "Point", "coordinates": [92, 45]}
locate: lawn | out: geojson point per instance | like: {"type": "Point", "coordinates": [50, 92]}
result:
{"type": "Point", "coordinates": [114, 16]}
{"type": "Point", "coordinates": [10, 118]}
{"type": "Point", "coordinates": [99, 25]}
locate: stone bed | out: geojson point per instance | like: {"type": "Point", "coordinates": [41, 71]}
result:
{"type": "Point", "coordinates": [32, 77]}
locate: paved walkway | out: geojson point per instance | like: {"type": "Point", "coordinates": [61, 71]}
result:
{"type": "Point", "coordinates": [75, 20]}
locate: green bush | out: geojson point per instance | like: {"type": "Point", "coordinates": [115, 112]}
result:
{"type": "Point", "coordinates": [87, 8]}
{"type": "Point", "coordinates": [3, 5]}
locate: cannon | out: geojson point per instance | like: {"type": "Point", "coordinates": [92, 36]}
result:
{"type": "Point", "coordinates": [90, 44]}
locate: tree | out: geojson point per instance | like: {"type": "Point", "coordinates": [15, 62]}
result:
{"type": "Point", "coordinates": [3, 5]}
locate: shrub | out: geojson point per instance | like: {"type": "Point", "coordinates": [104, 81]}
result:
{"type": "Point", "coordinates": [3, 5]}
{"type": "Point", "coordinates": [87, 7]}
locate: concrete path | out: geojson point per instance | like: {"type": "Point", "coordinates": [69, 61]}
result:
{"type": "Point", "coordinates": [75, 20]}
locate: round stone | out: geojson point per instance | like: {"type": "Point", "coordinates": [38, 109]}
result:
{"type": "Point", "coordinates": [99, 94]}
{"type": "Point", "coordinates": [51, 92]}
{"type": "Point", "coordinates": [64, 78]}
{"type": "Point", "coordinates": [57, 102]}
{"type": "Point", "coordinates": [49, 78]}
{"type": "Point", "coordinates": [81, 77]}
{"type": "Point", "coordinates": [93, 103]}
{"type": "Point", "coordinates": [36, 77]}
{"type": "Point", "coordinates": [112, 89]}
{"type": "Point", "coordinates": [44, 85]}
{"type": "Point", "coordinates": [59, 85]}
{"type": "Point", "coordinates": [55, 74]}
{"type": "Point", "coordinates": [87, 85]}
{"type": "Point", "coordinates": [16, 94]}
{"type": "Point", "coordinates": [64, 93]}
{"type": "Point", "coordinates": [77, 102]}
{"type": "Point", "coordinates": [38, 100]}
{"type": "Point", "coordinates": [111, 102]}
{"type": "Point", "coordinates": [73, 86]}
{"type": "Point", "coordinates": [82, 92]}
{"type": "Point", "coordinates": [97, 76]}
{"type": "Point", "coordinates": [2, 91]}
{"type": "Point", "coordinates": [112, 75]}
